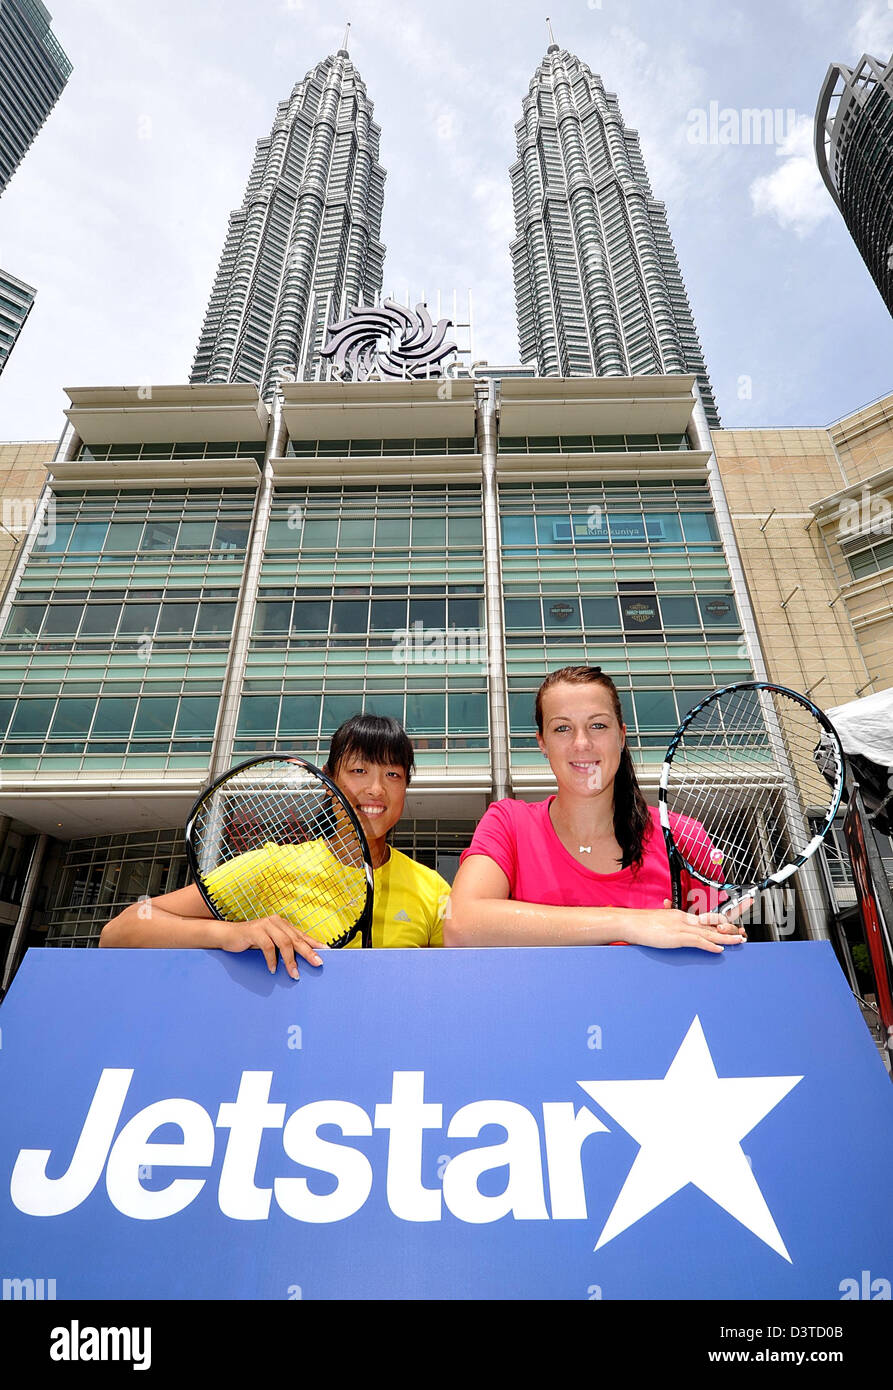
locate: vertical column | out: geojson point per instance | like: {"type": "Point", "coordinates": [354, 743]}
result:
{"type": "Point", "coordinates": [32, 883]}
{"type": "Point", "coordinates": [808, 880]}
{"type": "Point", "coordinates": [225, 733]}
{"type": "Point", "coordinates": [497, 688]}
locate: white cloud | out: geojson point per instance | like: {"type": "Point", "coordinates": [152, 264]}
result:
{"type": "Point", "coordinates": [794, 193]}
{"type": "Point", "coordinates": [873, 31]}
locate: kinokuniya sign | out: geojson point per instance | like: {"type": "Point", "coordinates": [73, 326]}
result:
{"type": "Point", "coordinates": [438, 1124]}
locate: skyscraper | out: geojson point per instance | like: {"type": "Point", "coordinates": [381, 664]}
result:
{"type": "Point", "coordinates": [854, 149]}
{"type": "Point", "coordinates": [33, 71]}
{"type": "Point", "coordinates": [16, 303]}
{"type": "Point", "coordinates": [305, 241]}
{"type": "Point", "coordinates": [598, 289]}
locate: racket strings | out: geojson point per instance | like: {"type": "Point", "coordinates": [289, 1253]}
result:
{"type": "Point", "coordinates": [274, 839]}
{"type": "Point", "coordinates": [754, 767]}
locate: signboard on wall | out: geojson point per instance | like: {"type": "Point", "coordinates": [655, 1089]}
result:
{"type": "Point", "coordinates": [561, 1124]}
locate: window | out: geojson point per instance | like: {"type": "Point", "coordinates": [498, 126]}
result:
{"type": "Point", "coordinates": [88, 536]}
{"type": "Point", "coordinates": [137, 619]}
{"type": "Point", "coordinates": [177, 619]}
{"type": "Point", "coordinates": [114, 716]}
{"type": "Point", "coordinates": [62, 620]}
{"type": "Point", "coordinates": [655, 709]}
{"type": "Point", "coordinates": [31, 718]}
{"type": "Point", "coordinates": [159, 535]}
{"type": "Point", "coordinates": [123, 537]}
{"type": "Point", "coordinates": [216, 619]}
{"type": "Point", "coordinates": [73, 718]}
{"type": "Point", "coordinates": [231, 535]}
{"type": "Point", "coordinates": [273, 616]}
{"type": "Point", "coordinates": [155, 717]}
{"type": "Point", "coordinates": [679, 611]}
{"type": "Point", "coordinates": [197, 716]}
{"type": "Point", "coordinates": [387, 614]}
{"type": "Point", "coordinates": [300, 714]}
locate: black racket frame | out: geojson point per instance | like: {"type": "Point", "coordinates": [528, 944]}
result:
{"type": "Point", "coordinates": [738, 891]}
{"type": "Point", "coordinates": [363, 924]}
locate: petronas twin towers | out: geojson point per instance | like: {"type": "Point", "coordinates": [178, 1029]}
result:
{"type": "Point", "coordinates": [305, 240]}
{"type": "Point", "coordinates": [598, 290]}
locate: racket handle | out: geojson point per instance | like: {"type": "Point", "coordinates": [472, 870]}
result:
{"type": "Point", "coordinates": [675, 870]}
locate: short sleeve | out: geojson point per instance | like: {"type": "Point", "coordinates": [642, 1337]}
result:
{"type": "Point", "coordinates": [442, 897]}
{"type": "Point", "coordinates": [495, 836]}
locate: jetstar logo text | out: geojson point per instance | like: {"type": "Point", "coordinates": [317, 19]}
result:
{"type": "Point", "coordinates": [407, 1115]}
{"type": "Point", "coordinates": [688, 1125]}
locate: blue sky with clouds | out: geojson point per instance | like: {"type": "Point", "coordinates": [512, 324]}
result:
{"type": "Point", "coordinates": [119, 211]}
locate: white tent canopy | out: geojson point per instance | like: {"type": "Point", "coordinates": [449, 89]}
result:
{"type": "Point", "coordinates": [866, 727]}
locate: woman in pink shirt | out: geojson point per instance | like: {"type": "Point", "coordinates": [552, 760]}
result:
{"type": "Point", "coordinates": [588, 866]}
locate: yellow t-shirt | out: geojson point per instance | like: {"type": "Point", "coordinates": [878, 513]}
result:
{"type": "Point", "coordinates": [408, 905]}
{"type": "Point", "coordinates": [409, 899]}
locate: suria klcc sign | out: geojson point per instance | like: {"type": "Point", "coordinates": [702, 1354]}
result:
{"type": "Point", "coordinates": [389, 342]}
{"type": "Point", "coordinates": [584, 1124]}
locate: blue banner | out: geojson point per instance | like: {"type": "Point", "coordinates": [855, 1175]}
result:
{"type": "Point", "coordinates": [515, 1124]}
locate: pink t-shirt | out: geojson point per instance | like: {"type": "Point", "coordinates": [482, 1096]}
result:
{"type": "Point", "coordinates": [519, 836]}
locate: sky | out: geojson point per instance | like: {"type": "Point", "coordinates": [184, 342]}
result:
{"type": "Point", "coordinates": [119, 210]}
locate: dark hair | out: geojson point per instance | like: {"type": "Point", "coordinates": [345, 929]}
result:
{"type": "Point", "coordinates": [376, 737]}
{"type": "Point", "coordinates": [632, 819]}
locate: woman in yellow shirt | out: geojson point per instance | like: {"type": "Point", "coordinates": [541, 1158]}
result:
{"type": "Point", "coordinates": [371, 760]}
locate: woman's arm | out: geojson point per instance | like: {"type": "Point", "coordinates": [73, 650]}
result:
{"type": "Point", "coordinates": [183, 919]}
{"type": "Point", "coordinates": [480, 913]}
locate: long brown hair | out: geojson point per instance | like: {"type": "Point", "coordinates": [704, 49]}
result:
{"type": "Point", "coordinates": [632, 818]}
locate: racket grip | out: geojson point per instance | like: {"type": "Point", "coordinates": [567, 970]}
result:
{"type": "Point", "coordinates": [675, 871]}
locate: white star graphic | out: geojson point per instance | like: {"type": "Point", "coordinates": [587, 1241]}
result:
{"type": "Point", "coordinates": [690, 1127]}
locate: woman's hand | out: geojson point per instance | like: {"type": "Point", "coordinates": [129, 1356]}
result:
{"type": "Point", "coordinates": [671, 928]}
{"type": "Point", "coordinates": [267, 934]}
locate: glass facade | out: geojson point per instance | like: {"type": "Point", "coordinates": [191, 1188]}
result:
{"type": "Point", "coordinates": [370, 598]}
{"type": "Point", "coordinates": [16, 303]}
{"type": "Point", "coordinates": [150, 620]}
{"type": "Point", "coordinates": [591, 443]}
{"type": "Point", "coordinates": [100, 876]}
{"type": "Point", "coordinates": [33, 72]}
{"type": "Point", "coordinates": [628, 576]}
{"type": "Point", "coordinates": [154, 453]}
{"type": "Point", "coordinates": [376, 448]}
{"type": "Point", "coordinates": [854, 150]}
{"type": "Point", "coordinates": [114, 652]}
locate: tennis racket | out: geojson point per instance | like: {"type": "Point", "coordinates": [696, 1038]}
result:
{"type": "Point", "coordinates": [749, 789]}
{"type": "Point", "coordinates": [274, 835]}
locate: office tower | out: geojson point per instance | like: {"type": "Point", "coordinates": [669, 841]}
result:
{"type": "Point", "coordinates": [854, 149]}
{"type": "Point", "coordinates": [598, 289]}
{"type": "Point", "coordinates": [33, 71]}
{"type": "Point", "coordinates": [305, 242]}
{"type": "Point", "coordinates": [16, 302]}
